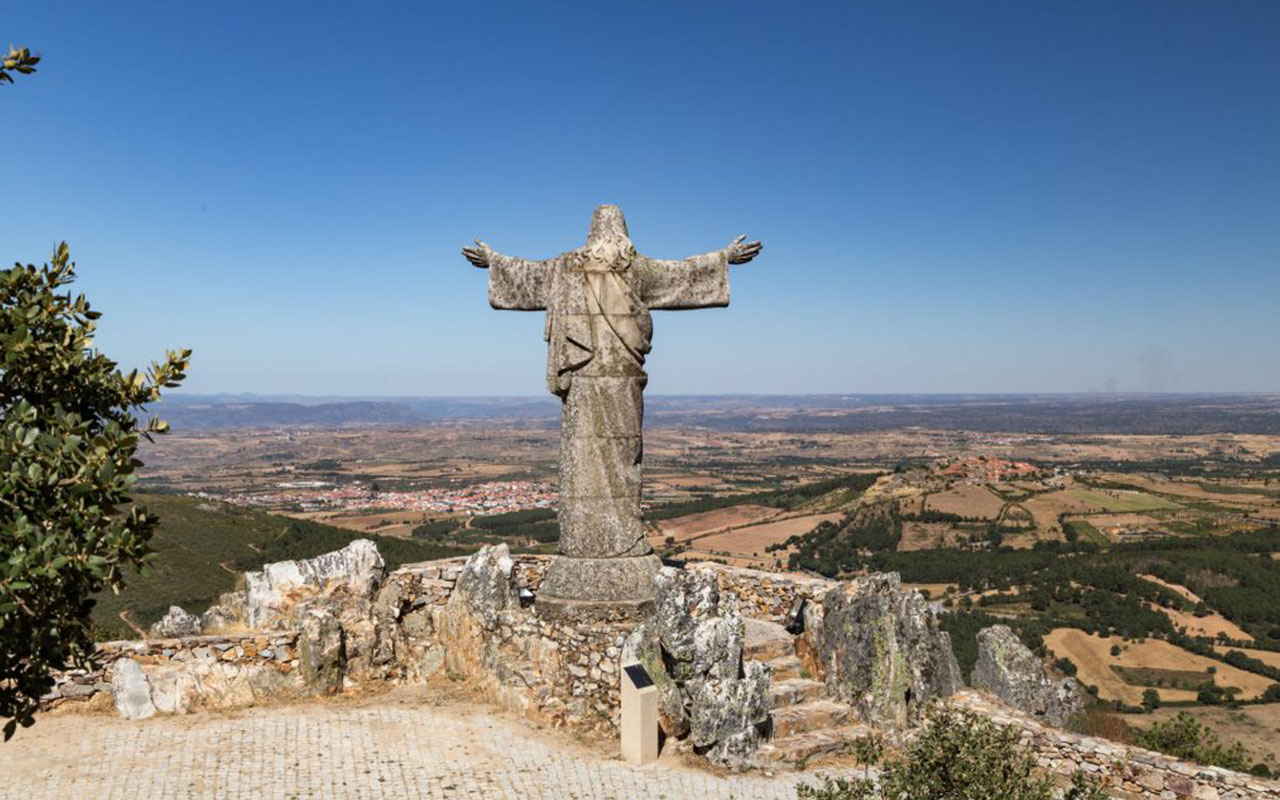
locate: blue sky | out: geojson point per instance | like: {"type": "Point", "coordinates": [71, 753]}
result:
{"type": "Point", "coordinates": [954, 197]}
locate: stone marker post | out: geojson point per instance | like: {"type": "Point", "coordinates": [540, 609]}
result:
{"type": "Point", "coordinates": [598, 330]}
{"type": "Point", "coordinates": [639, 726]}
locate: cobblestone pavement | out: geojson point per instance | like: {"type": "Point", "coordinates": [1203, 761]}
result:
{"type": "Point", "coordinates": [317, 751]}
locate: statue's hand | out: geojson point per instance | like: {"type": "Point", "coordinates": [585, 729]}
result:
{"type": "Point", "coordinates": [741, 252]}
{"type": "Point", "coordinates": [480, 255]}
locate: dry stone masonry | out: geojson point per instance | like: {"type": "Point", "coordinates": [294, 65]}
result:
{"type": "Point", "coordinates": [753, 667]}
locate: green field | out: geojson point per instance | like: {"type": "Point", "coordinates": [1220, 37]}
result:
{"type": "Point", "coordinates": [1126, 502]}
{"type": "Point", "coordinates": [1085, 532]}
{"type": "Point", "coordinates": [1162, 678]}
{"type": "Point", "coordinates": [202, 547]}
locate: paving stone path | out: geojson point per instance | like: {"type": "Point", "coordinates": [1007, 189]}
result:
{"type": "Point", "coordinates": [334, 751]}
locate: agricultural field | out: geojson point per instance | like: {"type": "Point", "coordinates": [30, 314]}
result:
{"type": "Point", "coordinates": [749, 542]}
{"type": "Point", "coordinates": [1122, 501]}
{"type": "Point", "coordinates": [976, 502]}
{"type": "Point", "coordinates": [1211, 626]}
{"type": "Point", "coordinates": [1151, 663]}
{"type": "Point", "coordinates": [687, 528]}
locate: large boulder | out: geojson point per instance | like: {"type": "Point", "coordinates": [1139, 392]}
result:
{"type": "Point", "coordinates": [1010, 671]}
{"type": "Point", "coordinates": [355, 571]}
{"type": "Point", "coordinates": [487, 584]}
{"type": "Point", "coordinates": [880, 649]}
{"type": "Point", "coordinates": [692, 648]}
{"type": "Point", "coordinates": [131, 690]}
{"type": "Point", "coordinates": [175, 624]}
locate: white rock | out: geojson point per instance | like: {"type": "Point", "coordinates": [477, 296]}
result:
{"type": "Point", "coordinates": [132, 691]}
{"type": "Point", "coordinates": [358, 567]}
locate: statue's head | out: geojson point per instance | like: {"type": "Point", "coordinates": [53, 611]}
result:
{"type": "Point", "coordinates": [608, 247]}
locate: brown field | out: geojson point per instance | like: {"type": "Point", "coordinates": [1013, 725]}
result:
{"type": "Point", "coordinates": [1046, 507]}
{"type": "Point", "coordinates": [1271, 659]}
{"type": "Point", "coordinates": [1092, 656]}
{"type": "Point", "coordinates": [383, 523]}
{"type": "Point", "coordinates": [684, 529]}
{"type": "Point", "coordinates": [967, 501]}
{"type": "Point", "coordinates": [753, 539]}
{"type": "Point", "coordinates": [1254, 727]}
{"type": "Point", "coordinates": [1210, 626]}
{"type": "Point", "coordinates": [1173, 587]}
{"type": "Point", "coordinates": [1116, 526]}
{"type": "Point", "coordinates": [1193, 491]}
{"type": "Point", "coordinates": [928, 535]}
{"type": "Point", "coordinates": [751, 562]}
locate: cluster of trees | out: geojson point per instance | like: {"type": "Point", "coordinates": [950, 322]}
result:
{"type": "Point", "coordinates": [835, 548]}
{"type": "Point", "coordinates": [538, 524]}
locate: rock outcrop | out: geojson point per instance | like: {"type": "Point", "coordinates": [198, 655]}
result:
{"type": "Point", "coordinates": [879, 648]}
{"type": "Point", "coordinates": [1010, 671]}
{"type": "Point", "coordinates": [692, 648]}
{"type": "Point", "coordinates": [175, 624]}
{"type": "Point", "coordinates": [356, 570]}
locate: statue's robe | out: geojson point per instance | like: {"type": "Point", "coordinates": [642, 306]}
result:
{"type": "Point", "coordinates": [598, 332]}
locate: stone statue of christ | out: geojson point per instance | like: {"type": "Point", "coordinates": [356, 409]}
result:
{"type": "Point", "coordinates": [598, 332]}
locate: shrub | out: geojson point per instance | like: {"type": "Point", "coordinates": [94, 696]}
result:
{"type": "Point", "coordinates": [1150, 700]}
{"type": "Point", "coordinates": [957, 756]}
{"type": "Point", "coordinates": [1186, 738]}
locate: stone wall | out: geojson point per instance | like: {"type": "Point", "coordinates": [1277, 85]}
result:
{"type": "Point", "coordinates": [1129, 773]}
{"type": "Point", "coordinates": [180, 675]}
{"type": "Point", "coordinates": [767, 595]}
{"type": "Point", "coordinates": [415, 623]}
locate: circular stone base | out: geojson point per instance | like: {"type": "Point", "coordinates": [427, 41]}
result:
{"type": "Point", "coordinates": [598, 589]}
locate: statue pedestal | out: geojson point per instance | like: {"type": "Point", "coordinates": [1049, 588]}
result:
{"type": "Point", "coordinates": [598, 589]}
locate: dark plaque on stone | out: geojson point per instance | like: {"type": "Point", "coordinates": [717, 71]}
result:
{"type": "Point", "coordinates": [639, 676]}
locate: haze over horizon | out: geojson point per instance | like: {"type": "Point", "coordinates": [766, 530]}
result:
{"type": "Point", "coordinates": [995, 197]}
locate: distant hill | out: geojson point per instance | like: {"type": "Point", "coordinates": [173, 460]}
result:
{"type": "Point", "coordinates": [1047, 414]}
{"type": "Point", "coordinates": [204, 545]}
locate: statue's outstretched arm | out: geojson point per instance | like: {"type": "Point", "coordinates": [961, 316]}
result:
{"type": "Point", "coordinates": [515, 284]}
{"type": "Point", "coordinates": [694, 282]}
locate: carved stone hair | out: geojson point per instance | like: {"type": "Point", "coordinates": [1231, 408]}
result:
{"type": "Point", "coordinates": [608, 246]}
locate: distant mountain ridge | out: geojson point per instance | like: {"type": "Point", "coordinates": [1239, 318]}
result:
{"type": "Point", "coordinates": [845, 413]}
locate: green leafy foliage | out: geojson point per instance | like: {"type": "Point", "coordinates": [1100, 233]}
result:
{"type": "Point", "coordinates": [68, 434]}
{"type": "Point", "coordinates": [1185, 738]}
{"type": "Point", "coordinates": [959, 755]}
{"type": "Point", "coordinates": [19, 60]}
{"type": "Point", "coordinates": [1150, 700]}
